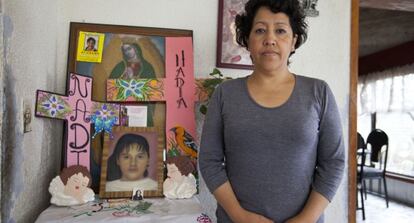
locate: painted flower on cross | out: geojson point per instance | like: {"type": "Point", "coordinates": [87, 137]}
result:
{"type": "Point", "coordinates": [135, 90]}
{"type": "Point", "coordinates": [103, 113]}
{"type": "Point", "coordinates": [54, 106]}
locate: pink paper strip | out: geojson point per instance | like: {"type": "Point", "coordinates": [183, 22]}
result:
{"type": "Point", "coordinates": [179, 85]}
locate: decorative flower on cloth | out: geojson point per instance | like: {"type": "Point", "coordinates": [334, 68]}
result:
{"type": "Point", "coordinates": [203, 218]}
{"type": "Point", "coordinates": [180, 182]}
{"type": "Point", "coordinates": [71, 187]}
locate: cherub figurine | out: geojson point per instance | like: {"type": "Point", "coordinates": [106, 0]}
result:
{"type": "Point", "coordinates": [180, 182]}
{"type": "Point", "coordinates": [71, 187]}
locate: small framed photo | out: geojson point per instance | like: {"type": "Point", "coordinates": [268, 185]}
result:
{"type": "Point", "coordinates": [90, 47]}
{"type": "Point", "coordinates": [132, 160]}
{"type": "Point", "coordinates": [137, 194]}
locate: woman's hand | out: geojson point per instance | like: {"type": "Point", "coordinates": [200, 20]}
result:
{"type": "Point", "coordinates": [313, 209]}
{"type": "Point", "coordinates": [249, 217]}
{"type": "Point", "coordinates": [225, 196]}
{"type": "Point", "coordinates": [298, 219]}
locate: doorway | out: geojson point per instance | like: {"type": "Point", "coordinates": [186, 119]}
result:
{"type": "Point", "coordinates": [364, 46]}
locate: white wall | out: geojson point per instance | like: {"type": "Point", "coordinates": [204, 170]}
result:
{"type": "Point", "coordinates": [31, 159]}
{"type": "Point", "coordinates": [37, 48]}
{"type": "Point", "coordinates": [326, 55]}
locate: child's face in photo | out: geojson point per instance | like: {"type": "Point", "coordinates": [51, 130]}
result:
{"type": "Point", "coordinates": [91, 44]}
{"type": "Point", "coordinates": [133, 161]}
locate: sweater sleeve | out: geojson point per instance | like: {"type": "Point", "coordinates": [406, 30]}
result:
{"type": "Point", "coordinates": [330, 155]}
{"type": "Point", "coordinates": [211, 154]}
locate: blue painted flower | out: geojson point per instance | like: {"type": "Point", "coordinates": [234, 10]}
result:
{"type": "Point", "coordinates": [52, 106]}
{"type": "Point", "coordinates": [133, 88]}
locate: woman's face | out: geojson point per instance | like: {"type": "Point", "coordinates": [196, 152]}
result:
{"type": "Point", "coordinates": [271, 40]}
{"type": "Point", "coordinates": [133, 161]}
{"type": "Point", "coordinates": [129, 51]}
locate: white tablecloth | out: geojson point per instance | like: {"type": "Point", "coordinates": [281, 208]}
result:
{"type": "Point", "coordinates": [161, 210]}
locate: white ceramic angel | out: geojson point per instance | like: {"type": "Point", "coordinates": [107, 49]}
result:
{"type": "Point", "coordinates": [180, 182]}
{"type": "Point", "coordinates": [71, 187]}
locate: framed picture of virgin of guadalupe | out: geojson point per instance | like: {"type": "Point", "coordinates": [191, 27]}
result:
{"type": "Point", "coordinates": [133, 57]}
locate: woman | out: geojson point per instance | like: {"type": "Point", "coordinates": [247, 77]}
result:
{"type": "Point", "coordinates": [128, 165]}
{"type": "Point", "coordinates": [281, 157]}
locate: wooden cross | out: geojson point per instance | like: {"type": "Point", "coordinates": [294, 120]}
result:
{"type": "Point", "coordinates": [77, 109]}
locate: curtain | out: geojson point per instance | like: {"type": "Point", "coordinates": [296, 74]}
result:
{"type": "Point", "coordinates": [387, 91]}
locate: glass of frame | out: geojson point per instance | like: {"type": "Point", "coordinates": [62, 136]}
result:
{"type": "Point", "coordinates": [132, 160]}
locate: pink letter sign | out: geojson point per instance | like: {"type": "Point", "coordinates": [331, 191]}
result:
{"type": "Point", "coordinates": [180, 95]}
{"type": "Point", "coordinates": [76, 109]}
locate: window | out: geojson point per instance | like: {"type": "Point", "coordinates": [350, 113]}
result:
{"type": "Point", "coordinates": [399, 127]}
{"type": "Point", "coordinates": [390, 95]}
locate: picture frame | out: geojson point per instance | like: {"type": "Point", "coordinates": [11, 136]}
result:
{"type": "Point", "coordinates": [123, 163]}
{"type": "Point", "coordinates": [229, 53]}
{"type": "Point", "coordinates": [100, 64]}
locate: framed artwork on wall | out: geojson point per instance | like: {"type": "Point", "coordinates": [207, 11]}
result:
{"type": "Point", "coordinates": [229, 53]}
{"type": "Point", "coordinates": [130, 55]}
{"type": "Point", "coordinates": [132, 160]}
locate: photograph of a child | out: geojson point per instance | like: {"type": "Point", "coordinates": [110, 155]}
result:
{"type": "Point", "coordinates": [132, 162]}
{"type": "Point", "coordinates": [137, 195]}
{"type": "Point", "coordinates": [91, 43]}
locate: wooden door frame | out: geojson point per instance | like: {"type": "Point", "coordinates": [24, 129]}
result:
{"type": "Point", "coordinates": [352, 162]}
{"type": "Point", "coordinates": [2, 120]}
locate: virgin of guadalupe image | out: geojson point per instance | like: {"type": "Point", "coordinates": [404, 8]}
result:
{"type": "Point", "coordinates": [132, 66]}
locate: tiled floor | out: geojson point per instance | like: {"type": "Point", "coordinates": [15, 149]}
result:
{"type": "Point", "coordinates": [376, 211]}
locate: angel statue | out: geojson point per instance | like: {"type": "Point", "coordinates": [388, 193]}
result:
{"type": "Point", "coordinates": [180, 182]}
{"type": "Point", "coordinates": [71, 187]}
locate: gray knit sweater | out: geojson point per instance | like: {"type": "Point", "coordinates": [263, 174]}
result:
{"type": "Point", "coordinates": [273, 157]}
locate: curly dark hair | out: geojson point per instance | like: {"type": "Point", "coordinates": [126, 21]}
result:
{"type": "Point", "coordinates": [91, 39]}
{"type": "Point", "coordinates": [72, 170]}
{"type": "Point", "coordinates": [291, 8]}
